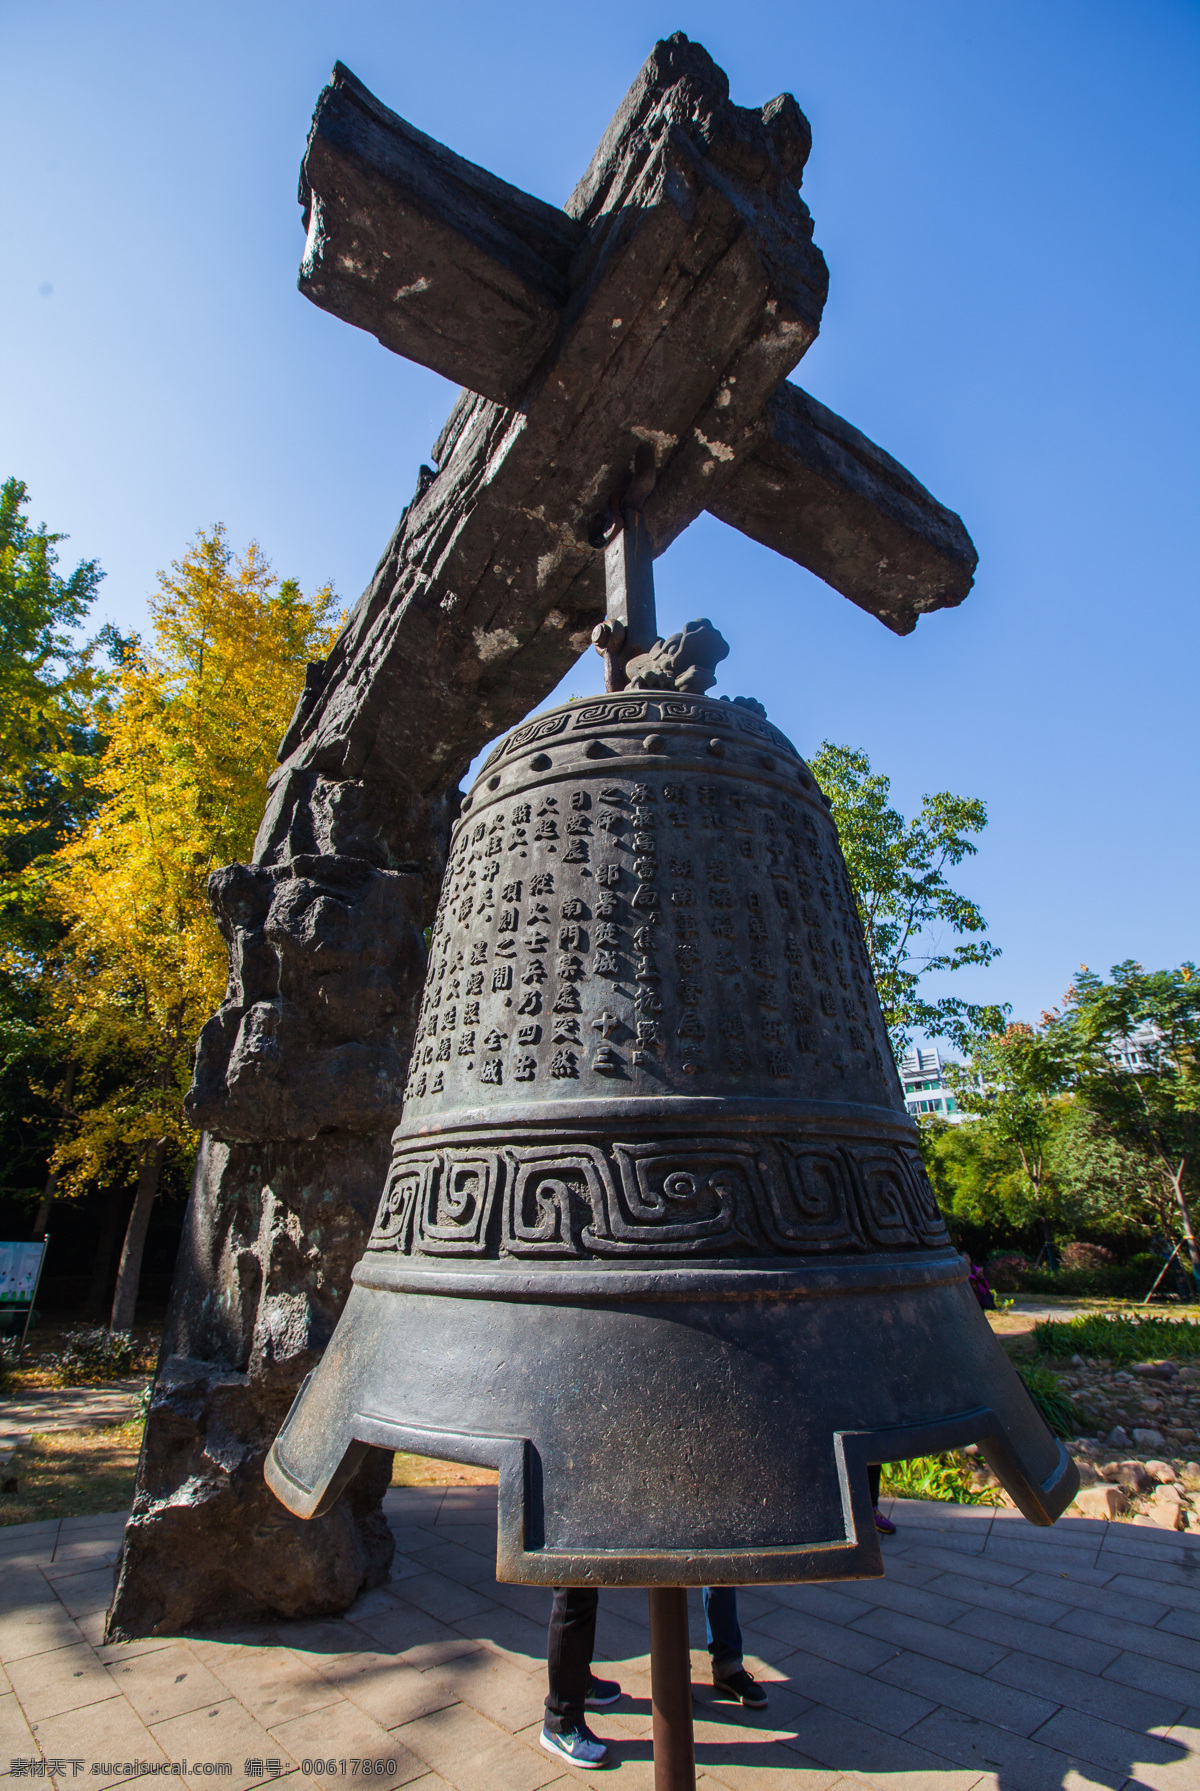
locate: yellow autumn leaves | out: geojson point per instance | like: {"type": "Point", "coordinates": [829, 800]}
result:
{"type": "Point", "coordinates": [194, 717]}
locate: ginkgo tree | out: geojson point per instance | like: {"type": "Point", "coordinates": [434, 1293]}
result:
{"type": "Point", "coordinates": [195, 718]}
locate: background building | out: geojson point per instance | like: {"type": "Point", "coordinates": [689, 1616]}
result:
{"type": "Point", "coordinates": [926, 1089]}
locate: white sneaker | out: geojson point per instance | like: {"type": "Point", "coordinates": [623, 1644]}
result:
{"type": "Point", "coordinates": [579, 1746]}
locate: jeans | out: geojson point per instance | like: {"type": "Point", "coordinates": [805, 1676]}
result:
{"type": "Point", "coordinates": [721, 1628]}
{"type": "Point", "coordinates": [569, 1644]}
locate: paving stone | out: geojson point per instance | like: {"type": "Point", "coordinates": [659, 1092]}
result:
{"type": "Point", "coordinates": [40, 1630]}
{"type": "Point", "coordinates": [327, 1636]}
{"type": "Point", "coordinates": [820, 1601]}
{"type": "Point", "coordinates": [1117, 1750]}
{"type": "Point", "coordinates": [745, 1759]}
{"type": "Point", "coordinates": [474, 1755]}
{"type": "Point", "coordinates": [952, 1645]}
{"type": "Point", "coordinates": [455, 1561]}
{"type": "Point", "coordinates": [16, 1740]}
{"type": "Point", "coordinates": [848, 1647]}
{"type": "Point", "coordinates": [499, 1690]}
{"type": "Point", "coordinates": [65, 1679]}
{"type": "Point", "coordinates": [974, 1566]}
{"type": "Point", "coordinates": [989, 1699]}
{"type": "Point", "coordinates": [1152, 1580]}
{"type": "Point", "coordinates": [1134, 1638]}
{"type": "Point", "coordinates": [109, 1733]}
{"type": "Point", "coordinates": [910, 1601]}
{"type": "Point", "coordinates": [1016, 1551]}
{"type": "Point", "coordinates": [1106, 1601]}
{"type": "Point", "coordinates": [420, 1638]}
{"type": "Point", "coordinates": [275, 1684]}
{"type": "Point", "coordinates": [881, 1705]}
{"type": "Point", "coordinates": [1016, 1601]}
{"type": "Point", "coordinates": [80, 1553]}
{"type": "Point", "coordinates": [831, 1739]}
{"type": "Point", "coordinates": [1181, 1623]}
{"type": "Point", "coordinates": [1144, 1674]}
{"type": "Point", "coordinates": [387, 1689]}
{"type": "Point", "coordinates": [983, 1746]}
{"type": "Point", "coordinates": [1087, 1693]}
{"type": "Point", "coordinates": [109, 1523]}
{"type": "Point", "coordinates": [218, 1732]}
{"type": "Point", "coordinates": [508, 1633]}
{"type": "Point", "coordinates": [443, 1597]}
{"type": "Point", "coordinates": [343, 1732]}
{"type": "Point", "coordinates": [166, 1683]}
{"type": "Point", "coordinates": [82, 1593]}
{"type": "Point", "coordinates": [369, 1604]}
{"type": "Point", "coordinates": [1047, 1644]}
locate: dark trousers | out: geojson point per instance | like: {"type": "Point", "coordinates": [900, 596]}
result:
{"type": "Point", "coordinates": [723, 1632]}
{"type": "Point", "coordinates": [569, 1644]}
{"type": "Point", "coordinates": [873, 1482]}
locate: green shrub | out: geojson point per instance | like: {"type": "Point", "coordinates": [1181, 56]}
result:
{"type": "Point", "coordinates": [1119, 1338]}
{"type": "Point", "coordinates": [946, 1477]}
{"type": "Point", "coordinates": [1045, 1390]}
{"type": "Point", "coordinates": [88, 1357]}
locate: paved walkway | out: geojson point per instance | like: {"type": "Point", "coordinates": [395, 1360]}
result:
{"type": "Point", "coordinates": [993, 1655]}
{"type": "Point", "coordinates": [67, 1408]}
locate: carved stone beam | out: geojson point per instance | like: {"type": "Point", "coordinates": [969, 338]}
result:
{"type": "Point", "coordinates": [819, 492]}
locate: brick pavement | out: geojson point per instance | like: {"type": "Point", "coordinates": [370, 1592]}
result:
{"type": "Point", "coordinates": [993, 1655]}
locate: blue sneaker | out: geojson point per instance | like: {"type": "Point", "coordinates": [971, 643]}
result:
{"type": "Point", "coordinates": [579, 1747]}
{"type": "Point", "coordinates": [601, 1693]}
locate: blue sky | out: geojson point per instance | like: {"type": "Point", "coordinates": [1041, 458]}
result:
{"type": "Point", "coordinates": [1006, 196]}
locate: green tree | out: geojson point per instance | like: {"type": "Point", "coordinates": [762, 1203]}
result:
{"type": "Point", "coordinates": [48, 687]}
{"type": "Point", "coordinates": [51, 700]}
{"type": "Point", "coordinates": [1149, 1097]}
{"type": "Point", "coordinates": [1015, 1085]}
{"type": "Point", "coordinates": [897, 871]}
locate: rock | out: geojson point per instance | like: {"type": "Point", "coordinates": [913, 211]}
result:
{"type": "Point", "coordinates": [1168, 1495]}
{"type": "Point", "coordinates": [1162, 1471]}
{"type": "Point", "coordinates": [1148, 1439]}
{"type": "Point", "coordinates": [1077, 1362]}
{"type": "Point", "coordinates": [1164, 1515]}
{"type": "Point", "coordinates": [1155, 1371]}
{"type": "Point", "coordinates": [1100, 1501]}
{"type": "Point", "coordinates": [1130, 1474]}
{"type": "Point", "coordinates": [1119, 1437]}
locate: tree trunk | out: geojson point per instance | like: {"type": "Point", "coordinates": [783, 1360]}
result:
{"type": "Point", "coordinates": [43, 1213]}
{"type": "Point", "coordinates": [130, 1271]}
{"type": "Point", "coordinates": [98, 1297]}
{"type": "Point", "coordinates": [1185, 1216]}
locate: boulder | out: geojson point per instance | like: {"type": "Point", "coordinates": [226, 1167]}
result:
{"type": "Point", "coordinates": [1119, 1438]}
{"type": "Point", "coordinates": [1162, 1471]}
{"type": "Point", "coordinates": [1149, 1439]}
{"type": "Point", "coordinates": [1100, 1501]}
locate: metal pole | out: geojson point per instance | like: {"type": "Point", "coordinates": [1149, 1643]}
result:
{"type": "Point", "coordinates": [671, 1690]}
{"type": "Point", "coordinates": [34, 1295]}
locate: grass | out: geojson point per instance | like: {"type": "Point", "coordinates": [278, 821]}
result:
{"type": "Point", "coordinates": [1121, 1338]}
{"type": "Point", "coordinates": [1045, 1390]}
{"type": "Point", "coordinates": [945, 1477]}
{"type": "Point", "coordinates": [422, 1470]}
{"type": "Point", "coordinates": [71, 1473]}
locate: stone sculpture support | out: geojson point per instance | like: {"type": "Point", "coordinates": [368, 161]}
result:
{"type": "Point", "coordinates": [640, 337]}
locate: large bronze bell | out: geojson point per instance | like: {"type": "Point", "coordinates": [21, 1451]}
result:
{"type": "Point", "coordinates": [656, 1241]}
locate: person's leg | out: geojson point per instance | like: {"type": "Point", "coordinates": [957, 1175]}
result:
{"type": "Point", "coordinates": [724, 1634]}
{"type": "Point", "coordinates": [883, 1524]}
{"type": "Point", "coordinates": [569, 1643]}
{"type": "Point", "coordinates": [722, 1630]}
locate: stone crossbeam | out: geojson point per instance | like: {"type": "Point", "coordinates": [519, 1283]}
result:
{"type": "Point", "coordinates": [663, 306]}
